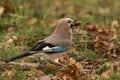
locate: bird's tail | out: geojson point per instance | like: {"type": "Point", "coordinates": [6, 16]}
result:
{"type": "Point", "coordinates": [29, 53]}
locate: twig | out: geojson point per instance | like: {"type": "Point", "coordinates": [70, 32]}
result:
{"type": "Point", "coordinates": [22, 64]}
{"type": "Point", "coordinates": [25, 64]}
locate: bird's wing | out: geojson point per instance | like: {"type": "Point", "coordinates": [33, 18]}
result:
{"type": "Point", "coordinates": [38, 48]}
{"type": "Point", "coordinates": [48, 48]}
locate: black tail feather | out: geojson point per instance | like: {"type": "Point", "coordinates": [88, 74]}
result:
{"type": "Point", "coordinates": [19, 56]}
{"type": "Point", "coordinates": [38, 48]}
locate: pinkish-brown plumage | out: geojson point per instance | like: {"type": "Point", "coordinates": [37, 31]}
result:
{"type": "Point", "coordinates": [59, 41]}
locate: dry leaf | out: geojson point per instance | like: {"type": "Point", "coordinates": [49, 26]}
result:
{"type": "Point", "coordinates": [105, 74]}
{"type": "Point", "coordinates": [13, 39]}
{"type": "Point", "coordinates": [46, 77]}
{"type": "Point", "coordinates": [10, 40]}
{"type": "Point", "coordinates": [91, 26]}
{"type": "Point", "coordinates": [11, 75]}
{"type": "Point", "coordinates": [115, 23]}
{"type": "Point", "coordinates": [99, 28]}
{"type": "Point", "coordinates": [103, 11]}
{"type": "Point", "coordinates": [104, 44]}
{"type": "Point", "coordinates": [60, 74]}
{"type": "Point", "coordinates": [79, 66]}
{"type": "Point", "coordinates": [118, 22]}
{"type": "Point", "coordinates": [72, 61]}
{"type": "Point", "coordinates": [64, 60]}
{"type": "Point", "coordinates": [32, 21]}
{"type": "Point", "coordinates": [8, 7]}
{"type": "Point", "coordinates": [73, 71]}
{"type": "Point", "coordinates": [20, 7]}
{"type": "Point", "coordinates": [52, 67]}
{"type": "Point", "coordinates": [67, 77]}
{"type": "Point", "coordinates": [2, 9]}
{"type": "Point", "coordinates": [10, 29]}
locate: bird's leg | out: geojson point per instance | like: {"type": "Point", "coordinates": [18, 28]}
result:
{"type": "Point", "coordinates": [56, 62]}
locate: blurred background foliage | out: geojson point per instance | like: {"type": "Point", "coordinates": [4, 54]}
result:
{"type": "Point", "coordinates": [23, 22]}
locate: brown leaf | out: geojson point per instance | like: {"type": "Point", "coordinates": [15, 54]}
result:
{"type": "Point", "coordinates": [11, 74]}
{"type": "Point", "coordinates": [67, 77]}
{"type": "Point", "coordinates": [64, 60]}
{"type": "Point", "coordinates": [91, 26]}
{"type": "Point", "coordinates": [79, 65]}
{"type": "Point", "coordinates": [103, 11]}
{"type": "Point", "coordinates": [73, 71]}
{"type": "Point", "coordinates": [100, 28]}
{"type": "Point", "coordinates": [46, 77]}
{"type": "Point", "coordinates": [14, 37]}
{"type": "Point", "coordinates": [118, 22]}
{"type": "Point", "coordinates": [20, 7]}
{"type": "Point", "coordinates": [8, 7]}
{"type": "Point", "coordinates": [32, 21]}
{"type": "Point", "coordinates": [12, 40]}
{"type": "Point", "coordinates": [106, 35]}
{"type": "Point", "coordinates": [52, 67]}
{"type": "Point", "coordinates": [10, 29]}
{"type": "Point", "coordinates": [2, 9]}
{"type": "Point", "coordinates": [72, 61]}
{"type": "Point", "coordinates": [60, 74]}
{"type": "Point", "coordinates": [104, 44]}
{"type": "Point", "coordinates": [105, 74]}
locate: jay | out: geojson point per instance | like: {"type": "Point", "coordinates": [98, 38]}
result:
{"type": "Point", "coordinates": [59, 41]}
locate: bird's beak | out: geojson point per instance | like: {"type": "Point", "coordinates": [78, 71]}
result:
{"type": "Point", "coordinates": [76, 23]}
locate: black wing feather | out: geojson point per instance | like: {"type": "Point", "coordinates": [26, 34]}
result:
{"type": "Point", "coordinates": [38, 47]}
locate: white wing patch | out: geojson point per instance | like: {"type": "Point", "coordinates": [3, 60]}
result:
{"type": "Point", "coordinates": [46, 48]}
{"type": "Point", "coordinates": [54, 49]}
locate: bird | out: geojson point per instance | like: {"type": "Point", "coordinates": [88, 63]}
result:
{"type": "Point", "coordinates": [59, 41]}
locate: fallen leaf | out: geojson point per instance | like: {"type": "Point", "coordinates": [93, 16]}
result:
{"type": "Point", "coordinates": [8, 7]}
{"type": "Point", "coordinates": [32, 21]}
{"type": "Point", "coordinates": [10, 29]}
{"type": "Point", "coordinates": [52, 67]}
{"type": "Point", "coordinates": [60, 74]}
{"type": "Point", "coordinates": [64, 60]}
{"type": "Point", "coordinates": [72, 61]}
{"type": "Point", "coordinates": [100, 28]}
{"type": "Point", "coordinates": [105, 74]}
{"type": "Point", "coordinates": [2, 9]}
{"type": "Point", "coordinates": [46, 77]}
{"type": "Point", "coordinates": [72, 71]}
{"type": "Point", "coordinates": [67, 77]}
{"type": "Point", "coordinates": [14, 37]}
{"type": "Point", "coordinates": [79, 66]}
{"type": "Point", "coordinates": [11, 75]}
{"type": "Point", "coordinates": [115, 23]}
{"type": "Point", "coordinates": [91, 26]}
{"type": "Point", "coordinates": [10, 40]}
{"type": "Point", "coordinates": [103, 11]}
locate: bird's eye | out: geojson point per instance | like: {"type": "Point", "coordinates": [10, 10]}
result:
{"type": "Point", "coordinates": [69, 21]}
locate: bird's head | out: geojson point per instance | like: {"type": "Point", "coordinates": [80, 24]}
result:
{"type": "Point", "coordinates": [64, 27]}
{"type": "Point", "coordinates": [68, 22]}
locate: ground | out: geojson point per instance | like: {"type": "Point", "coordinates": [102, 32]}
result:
{"type": "Point", "coordinates": [94, 55]}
